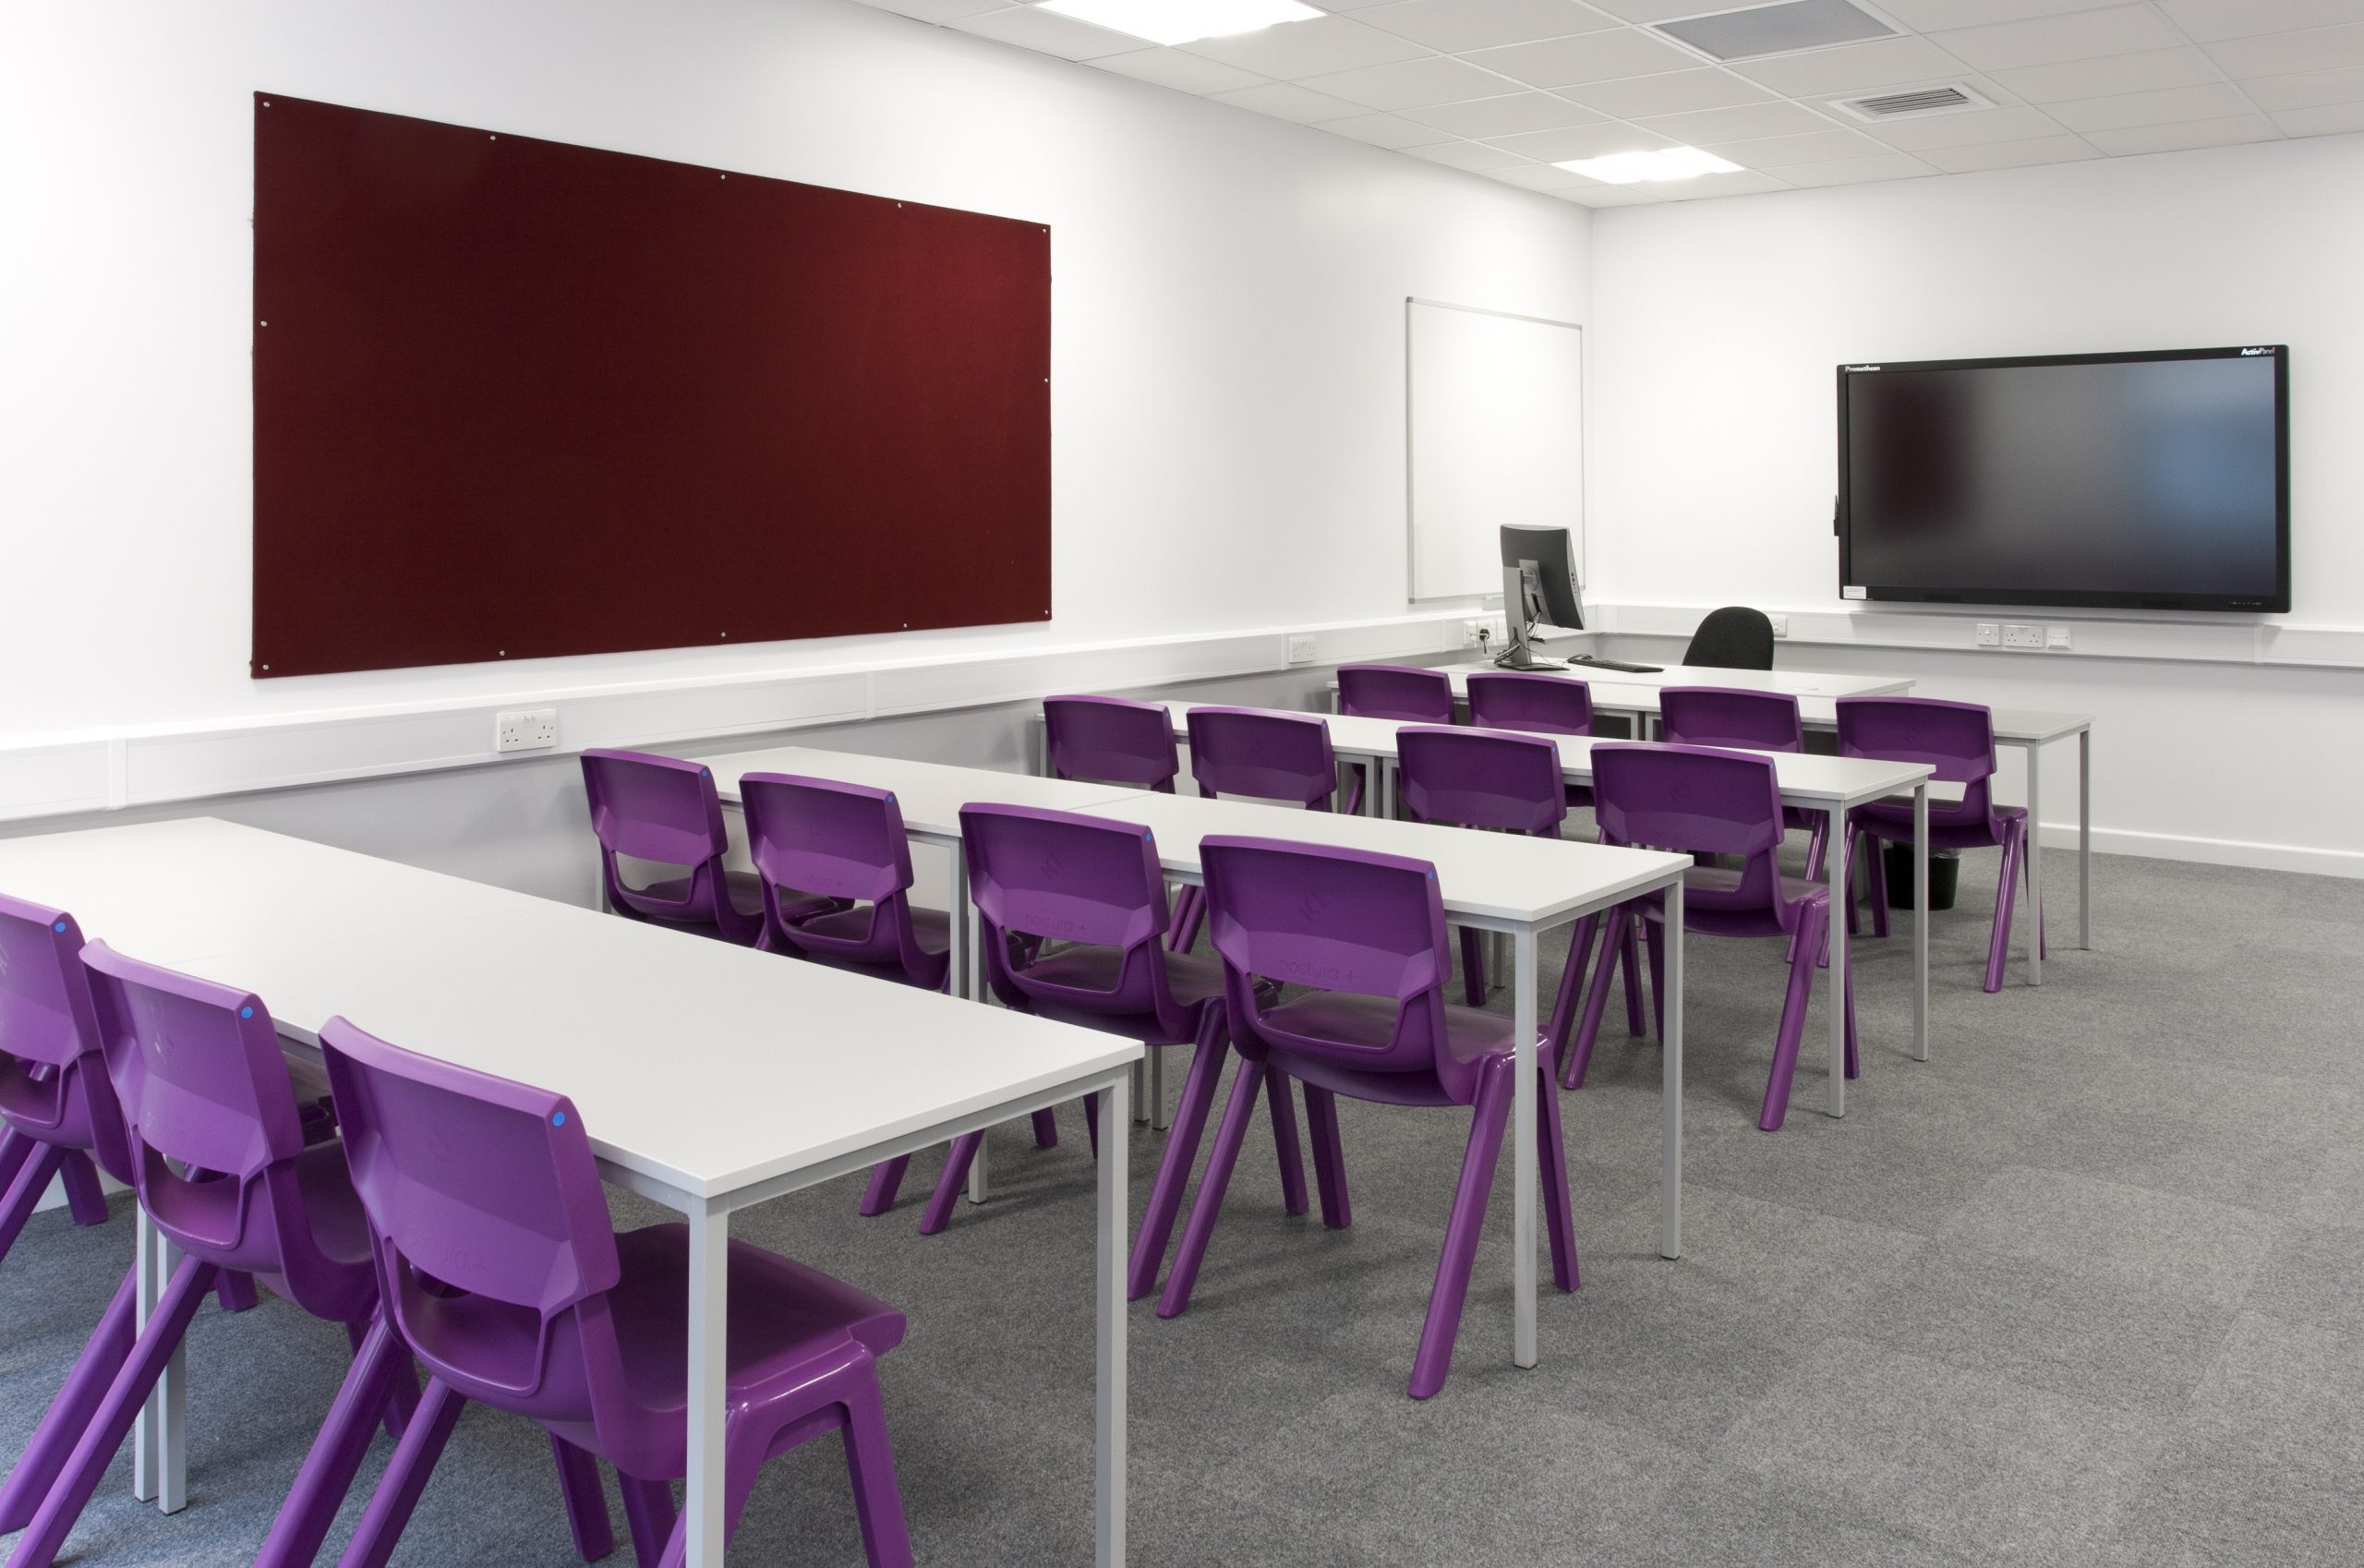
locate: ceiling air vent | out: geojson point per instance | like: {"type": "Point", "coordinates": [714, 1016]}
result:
{"type": "Point", "coordinates": [1919, 104]}
{"type": "Point", "coordinates": [1775, 30]}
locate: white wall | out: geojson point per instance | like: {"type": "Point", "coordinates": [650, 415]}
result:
{"type": "Point", "coordinates": [1227, 303]}
{"type": "Point", "coordinates": [1716, 329]}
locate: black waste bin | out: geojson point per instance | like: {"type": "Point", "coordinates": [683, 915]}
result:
{"type": "Point", "coordinates": [1945, 877]}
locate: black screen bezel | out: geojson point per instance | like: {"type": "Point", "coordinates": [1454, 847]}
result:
{"type": "Point", "coordinates": [2095, 598]}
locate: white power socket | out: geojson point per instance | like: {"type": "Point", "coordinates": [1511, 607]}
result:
{"type": "Point", "coordinates": [529, 729]}
{"type": "Point", "coordinates": [1990, 634]}
{"type": "Point", "coordinates": [1780, 625]}
{"type": "Point", "coordinates": [2017, 634]}
{"type": "Point", "coordinates": [1301, 650]}
{"type": "Point", "coordinates": [1485, 631]}
{"type": "Point", "coordinates": [2056, 636]}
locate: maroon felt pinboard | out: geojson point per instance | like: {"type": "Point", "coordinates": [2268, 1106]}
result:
{"type": "Point", "coordinates": [516, 398]}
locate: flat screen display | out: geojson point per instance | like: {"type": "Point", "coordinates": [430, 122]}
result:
{"type": "Point", "coordinates": [2155, 480]}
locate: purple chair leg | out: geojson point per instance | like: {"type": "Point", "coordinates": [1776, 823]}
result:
{"type": "Point", "coordinates": [1817, 846]}
{"type": "Point", "coordinates": [1244, 1086]}
{"type": "Point", "coordinates": [70, 1414]}
{"type": "Point", "coordinates": [648, 1513]}
{"type": "Point", "coordinates": [1181, 1148]}
{"type": "Point", "coordinates": [1612, 941]}
{"type": "Point", "coordinates": [1793, 1028]}
{"type": "Point", "coordinates": [869, 1466]}
{"type": "Point", "coordinates": [1558, 1209]}
{"type": "Point", "coordinates": [85, 1200]}
{"type": "Point", "coordinates": [1632, 961]}
{"type": "Point", "coordinates": [336, 1453]}
{"type": "Point", "coordinates": [405, 1477]}
{"type": "Point", "coordinates": [24, 1193]}
{"type": "Point", "coordinates": [885, 1180]}
{"type": "Point", "coordinates": [1571, 993]}
{"type": "Point", "coordinates": [234, 1293]}
{"type": "Point", "coordinates": [1276, 1090]}
{"type": "Point", "coordinates": [1472, 968]}
{"type": "Point", "coordinates": [939, 1213]}
{"type": "Point", "coordinates": [402, 1389]}
{"type": "Point", "coordinates": [39, 1545]}
{"type": "Point", "coordinates": [16, 1149]}
{"type": "Point", "coordinates": [1329, 1157]}
{"type": "Point", "coordinates": [1046, 1130]}
{"type": "Point", "coordinates": [587, 1501]}
{"type": "Point", "coordinates": [1184, 929]}
{"type": "Point", "coordinates": [1877, 877]}
{"type": "Point", "coordinates": [1491, 1115]}
{"type": "Point", "coordinates": [1999, 944]}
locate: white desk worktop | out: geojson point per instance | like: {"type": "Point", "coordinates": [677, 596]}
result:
{"type": "Point", "coordinates": [930, 795]}
{"type": "Point", "coordinates": [1796, 682]}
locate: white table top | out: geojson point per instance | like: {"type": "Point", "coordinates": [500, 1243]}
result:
{"type": "Point", "coordinates": [930, 795]}
{"type": "Point", "coordinates": [1796, 682]}
{"type": "Point", "coordinates": [700, 1066]}
{"type": "Point", "coordinates": [2034, 727]}
{"type": "Point", "coordinates": [1487, 875]}
{"type": "Point", "coordinates": [1806, 778]}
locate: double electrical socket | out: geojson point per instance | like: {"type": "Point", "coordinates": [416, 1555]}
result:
{"type": "Point", "coordinates": [1485, 631]}
{"type": "Point", "coordinates": [1301, 650]}
{"type": "Point", "coordinates": [529, 729]}
{"type": "Point", "coordinates": [2021, 635]}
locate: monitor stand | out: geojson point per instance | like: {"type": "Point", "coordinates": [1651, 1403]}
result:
{"type": "Point", "coordinates": [1518, 617]}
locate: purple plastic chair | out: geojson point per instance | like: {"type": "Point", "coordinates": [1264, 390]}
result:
{"type": "Point", "coordinates": [1545, 704]}
{"type": "Point", "coordinates": [1367, 932]}
{"type": "Point", "coordinates": [1406, 692]}
{"type": "Point", "coordinates": [1093, 890]}
{"type": "Point", "coordinates": [56, 1105]}
{"type": "Point", "coordinates": [503, 1272]}
{"type": "Point", "coordinates": [1264, 756]}
{"type": "Point", "coordinates": [1118, 741]}
{"type": "Point", "coordinates": [214, 1140]}
{"type": "Point", "coordinates": [663, 809]}
{"type": "Point", "coordinates": [1958, 739]}
{"type": "Point", "coordinates": [1696, 800]}
{"type": "Point", "coordinates": [1740, 720]}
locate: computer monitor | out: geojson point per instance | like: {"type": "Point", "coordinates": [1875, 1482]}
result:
{"type": "Point", "coordinates": [1538, 584]}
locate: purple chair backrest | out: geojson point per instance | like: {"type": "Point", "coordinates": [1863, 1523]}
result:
{"type": "Point", "coordinates": [53, 1074]}
{"type": "Point", "coordinates": [1265, 756]}
{"type": "Point", "coordinates": [1333, 920]}
{"type": "Point", "coordinates": [1956, 739]}
{"type": "Point", "coordinates": [1723, 716]}
{"type": "Point", "coordinates": [1111, 741]}
{"type": "Point", "coordinates": [489, 1226]}
{"type": "Point", "coordinates": [1395, 690]}
{"type": "Point", "coordinates": [1693, 800]}
{"type": "Point", "coordinates": [1086, 880]}
{"type": "Point", "coordinates": [841, 840]}
{"type": "Point", "coordinates": [1547, 705]}
{"type": "Point", "coordinates": [198, 1071]}
{"type": "Point", "coordinates": [1477, 778]}
{"type": "Point", "coordinates": [654, 808]}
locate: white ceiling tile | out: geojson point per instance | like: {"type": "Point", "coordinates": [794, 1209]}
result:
{"type": "Point", "coordinates": [2143, 72]}
{"type": "Point", "coordinates": [1598, 56]}
{"type": "Point", "coordinates": [2080, 35]}
{"type": "Point", "coordinates": [1582, 141]}
{"type": "Point", "coordinates": [1475, 156]}
{"type": "Point", "coordinates": [1286, 101]}
{"type": "Point", "coordinates": [1673, 92]}
{"type": "Point", "coordinates": [2215, 101]}
{"type": "Point", "coordinates": [1505, 116]}
{"type": "Point", "coordinates": [1928, 16]}
{"type": "Point", "coordinates": [1857, 171]}
{"type": "Point", "coordinates": [1747, 122]}
{"type": "Point", "coordinates": [1385, 131]}
{"type": "Point", "coordinates": [1453, 26]}
{"type": "Point", "coordinates": [2017, 123]}
{"type": "Point", "coordinates": [1174, 68]}
{"type": "Point", "coordinates": [1816, 147]}
{"type": "Point", "coordinates": [1344, 5]}
{"type": "Point", "coordinates": [2011, 154]}
{"type": "Point", "coordinates": [1748, 182]}
{"type": "Point", "coordinates": [2306, 89]}
{"type": "Point", "coordinates": [1411, 84]}
{"type": "Point", "coordinates": [2323, 119]}
{"type": "Point", "coordinates": [1607, 195]}
{"type": "Point", "coordinates": [2188, 133]}
{"type": "Point", "coordinates": [2209, 20]}
{"type": "Point", "coordinates": [1307, 48]}
{"type": "Point", "coordinates": [1543, 176]}
{"type": "Point", "coordinates": [1853, 67]}
{"type": "Point", "coordinates": [2281, 54]}
{"type": "Point", "coordinates": [938, 11]}
{"type": "Point", "coordinates": [1047, 32]}
{"type": "Point", "coordinates": [1659, 10]}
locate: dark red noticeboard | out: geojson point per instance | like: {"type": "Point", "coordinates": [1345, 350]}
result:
{"type": "Point", "coordinates": [514, 398]}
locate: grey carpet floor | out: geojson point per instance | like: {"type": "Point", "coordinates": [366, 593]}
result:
{"type": "Point", "coordinates": [2087, 1288]}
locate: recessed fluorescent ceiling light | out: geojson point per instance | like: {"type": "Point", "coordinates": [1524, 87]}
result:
{"type": "Point", "coordinates": [1632, 168]}
{"type": "Point", "coordinates": [1182, 21]}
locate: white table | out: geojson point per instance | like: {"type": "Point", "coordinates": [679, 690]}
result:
{"type": "Point", "coordinates": [1494, 882]}
{"type": "Point", "coordinates": [2031, 731]}
{"type": "Point", "coordinates": [1793, 683]}
{"type": "Point", "coordinates": [585, 1003]}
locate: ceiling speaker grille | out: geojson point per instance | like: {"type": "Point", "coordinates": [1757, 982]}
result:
{"type": "Point", "coordinates": [1775, 30]}
{"type": "Point", "coordinates": [1917, 104]}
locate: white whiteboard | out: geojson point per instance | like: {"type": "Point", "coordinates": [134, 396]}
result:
{"type": "Point", "coordinates": [1496, 435]}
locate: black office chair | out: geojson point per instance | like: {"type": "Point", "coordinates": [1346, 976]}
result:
{"type": "Point", "coordinates": [1734, 638]}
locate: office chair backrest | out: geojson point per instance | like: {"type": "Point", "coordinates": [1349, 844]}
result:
{"type": "Point", "coordinates": [1734, 638]}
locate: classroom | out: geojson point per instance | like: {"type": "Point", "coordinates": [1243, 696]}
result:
{"type": "Point", "coordinates": [1315, 783]}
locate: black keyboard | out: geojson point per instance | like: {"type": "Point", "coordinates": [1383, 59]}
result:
{"type": "Point", "coordinates": [1590, 662]}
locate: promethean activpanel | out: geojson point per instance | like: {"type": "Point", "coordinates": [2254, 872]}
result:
{"type": "Point", "coordinates": [2157, 480]}
{"type": "Point", "coordinates": [516, 398]}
